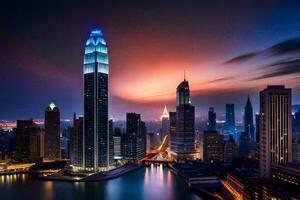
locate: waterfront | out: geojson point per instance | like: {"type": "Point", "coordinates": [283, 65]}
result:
{"type": "Point", "coordinates": [146, 183]}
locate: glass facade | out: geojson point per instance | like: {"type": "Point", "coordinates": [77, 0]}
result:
{"type": "Point", "coordinates": [96, 132]}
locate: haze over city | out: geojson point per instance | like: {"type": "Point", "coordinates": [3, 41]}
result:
{"type": "Point", "coordinates": [150, 47]}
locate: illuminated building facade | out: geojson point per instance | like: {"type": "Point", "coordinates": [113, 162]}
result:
{"type": "Point", "coordinates": [230, 120]}
{"type": "Point", "coordinates": [165, 124]}
{"type": "Point", "coordinates": [275, 128]}
{"type": "Point", "coordinates": [213, 147]}
{"type": "Point", "coordinates": [52, 133]}
{"type": "Point", "coordinates": [183, 142]}
{"type": "Point", "coordinates": [96, 134]}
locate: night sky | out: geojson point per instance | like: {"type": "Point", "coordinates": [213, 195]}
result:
{"type": "Point", "coordinates": [228, 50]}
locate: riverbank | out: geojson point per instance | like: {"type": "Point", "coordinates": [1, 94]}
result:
{"type": "Point", "coordinates": [100, 176]}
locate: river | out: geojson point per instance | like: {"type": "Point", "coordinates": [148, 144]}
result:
{"type": "Point", "coordinates": [148, 183]}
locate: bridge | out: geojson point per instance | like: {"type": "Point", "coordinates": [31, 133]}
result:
{"type": "Point", "coordinates": [161, 154]}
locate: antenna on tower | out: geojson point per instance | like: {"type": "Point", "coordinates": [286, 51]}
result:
{"type": "Point", "coordinates": [184, 74]}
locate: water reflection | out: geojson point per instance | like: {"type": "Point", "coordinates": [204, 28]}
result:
{"type": "Point", "coordinates": [153, 182]}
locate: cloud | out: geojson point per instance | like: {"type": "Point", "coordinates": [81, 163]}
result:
{"type": "Point", "coordinates": [280, 68]}
{"type": "Point", "coordinates": [242, 58]}
{"type": "Point", "coordinates": [286, 47]}
{"type": "Point", "coordinates": [221, 79]}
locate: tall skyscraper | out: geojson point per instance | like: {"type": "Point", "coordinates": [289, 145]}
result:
{"type": "Point", "coordinates": [52, 133]}
{"type": "Point", "coordinates": [165, 124]}
{"type": "Point", "coordinates": [76, 143]}
{"type": "Point", "coordinates": [248, 120]}
{"type": "Point", "coordinates": [135, 141]}
{"type": "Point", "coordinates": [212, 116]}
{"type": "Point", "coordinates": [213, 147]}
{"type": "Point", "coordinates": [96, 133]}
{"type": "Point", "coordinates": [183, 142]}
{"type": "Point", "coordinates": [275, 128]}
{"type": "Point", "coordinates": [230, 120]}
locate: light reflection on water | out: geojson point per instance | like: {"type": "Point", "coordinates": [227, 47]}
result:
{"type": "Point", "coordinates": [153, 182]}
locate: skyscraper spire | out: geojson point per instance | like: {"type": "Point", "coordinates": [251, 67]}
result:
{"type": "Point", "coordinates": [165, 113]}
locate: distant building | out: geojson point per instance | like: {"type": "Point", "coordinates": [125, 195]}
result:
{"type": "Point", "coordinates": [27, 142]}
{"type": "Point", "coordinates": [52, 133]}
{"type": "Point", "coordinates": [117, 143]}
{"type": "Point", "coordinates": [296, 151]}
{"type": "Point", "coordinates": [229, 127]}
{"type": "Point", "coordinates": [165, 124]}
{"type": "Point", "coordinates": [76, 143]}
{"type": "Point", "coordinates": [230, 150]}
{"type": "Point", "coordinates": [213, 147]}
{"type": "Point", "coordinates": [244, 144]}
{"type": "Point", "coordinates": [248, 120]}
{"type": "Point", "coordinates": [275, 128]}
{"type": "Point", "coordinates": [212, 117]}
{"type": "Point", "coordinates": [296, 125]}
{"type": "Point", "coordinates": [183, 142]}
{"type": "Point", "coordinates": [135, 139]}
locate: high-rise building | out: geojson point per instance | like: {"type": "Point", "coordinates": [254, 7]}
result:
{"type": "Point", "coordinates": [230, 120]}
{"type": "Point", "coordinates": [52, 133]}
{"type": "Point", "coordinates": [183, 142]}
{"type": "Point", "coordinates": [213, 147]}
{"type": "Point", "coordinates": [27, 142]}
{"type": "Point", "coordinates": [248, 120]}
{"type": "Point", "coordinates": [76, 143]}
{"type": "Point", "coordinates": [135, 139]}
{"type": "Point", "coordinates": [212, 117]}
{"type": "Point", "coordinates": [275, 128]}
{"type": "Point", "coordinates": [230, 149]}
{"type": "Point", "coordinates": [244, 144]}
{"type": "Point", "coordinates": [96, 131]}
{"type": "Point", "coordinates": [117, 143]}
{"type": "Point", "coordinates": [165, 124]}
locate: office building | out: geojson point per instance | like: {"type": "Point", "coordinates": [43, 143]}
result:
{"type": "Point", "coordinates": [183, 142]}
{"type": "Point", "coordinates": [117, 143]}
{"type": "Point", "coordinates": [213, 147]}
{"type": "Point", "coordinates": [229, 127]}
{"type": "Point", "coordinates": [248, 120]}
{"type": "Point", "coordinates": [212, 117]}
{"type": "Point", "coordinates": [52, 133]}
{"type": "Point", "coordinates": [97, 152]}
{"type": "Point", "coordinates": [27, 142]}
{"type": "Point", "coordinates": [135, 138]}
{"type": "Point", "coordinates": [76, 143]}
{"type": "Point", "coordinates": [230, 150]}
{"type": "Point", "coordinates": [275, 128]}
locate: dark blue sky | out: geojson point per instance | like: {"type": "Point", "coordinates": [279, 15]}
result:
{"type": "Point", "coordinates": [228, 50]}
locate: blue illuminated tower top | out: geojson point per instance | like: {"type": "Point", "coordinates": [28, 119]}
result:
{"type": "Point", "coordinates": [96, 54]}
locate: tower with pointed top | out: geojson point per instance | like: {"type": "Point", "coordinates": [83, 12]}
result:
{"type": "Point", "coordinates": [183, 142]}
{"type": "Point", "coordinates": [165, 124]}
{"type": "Point", "coordinates": [248, 120]}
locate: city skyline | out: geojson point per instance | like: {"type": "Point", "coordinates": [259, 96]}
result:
{"type": "Point", "coordinates": [144, 47]}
